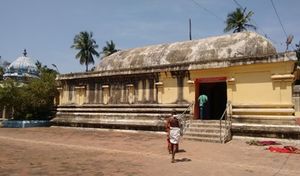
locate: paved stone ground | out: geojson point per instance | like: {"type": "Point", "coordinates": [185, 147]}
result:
{"type": "Point", "coordinates": [69, 151]}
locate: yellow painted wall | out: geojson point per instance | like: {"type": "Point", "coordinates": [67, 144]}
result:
{"type": "Point", "coordinates": [105, 95]}
{"type": "Point", "coordinates": [81, 96]}
{"type": "Point", "coordinates": [246, 84]}
{"type": "Point", "coordinates": [147, 91]}
{"type": "Point", "coordinates": [254, 87]}
{"type": "Point", "coordinates": [169, 88]}
{"type": "Point", "coordinates": [188, 90]}
{"type": "Point", "coordinates": [252, 84]}
{"type": "Point", "coordinates": [140, 91]}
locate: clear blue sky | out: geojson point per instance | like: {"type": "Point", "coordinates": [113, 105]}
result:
{"type": "Point", "coordinates": [46, 28]}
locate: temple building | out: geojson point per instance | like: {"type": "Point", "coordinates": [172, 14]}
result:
{"type": "Point", "coordinates": [23, 69]}
{"type": "Point", "coordinates": [247, 83]}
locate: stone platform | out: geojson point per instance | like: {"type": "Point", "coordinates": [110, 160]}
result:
{"type": "Point", "coordinates": [148, 117]}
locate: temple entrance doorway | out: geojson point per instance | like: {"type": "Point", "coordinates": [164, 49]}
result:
{"type": "Point", "coordinates": [213, 95]}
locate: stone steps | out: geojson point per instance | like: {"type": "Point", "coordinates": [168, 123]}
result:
{"type": "Point", "coordinates": [204, 130]}
{"type": "Point", "coordinates": [264, 114]}
{"type": "Point", "coordinates": [203, 139]}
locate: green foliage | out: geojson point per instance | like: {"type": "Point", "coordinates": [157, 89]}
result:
{"type": "Point", "coordinates": [30, 101]}
{"type": "Point", "coordinates": [1, 72]}
{"type": "Point", "coordinates": [238, 21]}
{"type": "Point", "coordinates": [109, 49]}
{"type": "Point", "coordinates": [86, 45]}
{"type": "Point", "coordinates": [297, 50]}
{"type": "Point", "coordinates": [10, 94]}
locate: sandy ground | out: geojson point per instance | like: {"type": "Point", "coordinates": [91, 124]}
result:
{"type": "Point", "coordinates": [69, 151]}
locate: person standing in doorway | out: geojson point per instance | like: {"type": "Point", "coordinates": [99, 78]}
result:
{"type": "Point", "coordinates": [203, 105]}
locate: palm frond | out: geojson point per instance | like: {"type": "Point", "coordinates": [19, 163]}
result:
{"type": "Point", "coordinates": [237, 21]}
{"type": "Point", "coordinates": [86, 45]}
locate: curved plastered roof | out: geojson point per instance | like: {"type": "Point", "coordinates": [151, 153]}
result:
{"type": "Point", "coordinates": [225, 47]}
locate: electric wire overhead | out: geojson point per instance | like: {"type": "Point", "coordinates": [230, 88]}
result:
{"type": "Point", "coordinates": [209, 11]}
{"type": "Point", "coordinates": [288, 37]}
{"type": "Point", "coordinates": [278, 18]}
{"type": "Point", "coordinates": [254, 22]}
{"type": "Point", "coordinates": [238, 4]}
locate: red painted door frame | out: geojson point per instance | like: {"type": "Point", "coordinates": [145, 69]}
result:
{"type": "Point", "coordinates": [198, 82]}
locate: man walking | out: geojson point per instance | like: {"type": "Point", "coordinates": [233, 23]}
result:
{"type": "Point", "coordinates": [174, 135]}
{"type": "Point", "coordinates": [167, 128]}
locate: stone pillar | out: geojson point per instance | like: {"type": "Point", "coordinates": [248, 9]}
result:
{"type": "Point", "coordinates": [60, 96]}
{"type": "Point", "coordinates": [87, 97]}
{"type": "Point", "coordinates": [180, 79]}
{"type": "Point", "coordinates": [231, 87]}
{"type": "Point", "coordinates": [100, 90]}
{"type": "Point", "coordinates": [130, 95]}
{"type": "Point", "coordinates": [151, 89]}
{"type": "Point", "coordinates": [144, 90]}
{"type": "Point", "coordinates": [96, 99]}
{"type": "Point", "coordinates": [191, 84]}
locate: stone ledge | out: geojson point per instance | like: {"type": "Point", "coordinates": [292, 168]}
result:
{"type": "Point", "coordinates": [264, 117]}
{"type": "Point", "coordinates": [297, 121]}
{"type": "Point", "coordinates": [260, 130]}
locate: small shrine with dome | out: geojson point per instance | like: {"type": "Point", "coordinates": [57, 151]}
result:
{"type": "Point", "coordinates": [22, 69]}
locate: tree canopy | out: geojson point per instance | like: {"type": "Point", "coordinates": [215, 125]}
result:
{"type": "Point", "coordinates": [30, 101]}
{"type": "Point", "coordinates": [86, 46]}
{"type": "Point", "coordinates": [109, 49]}
{"type": "Point", "coordinates": [1, 72]}
{"type": "Point", "coordinates": [238, 21]}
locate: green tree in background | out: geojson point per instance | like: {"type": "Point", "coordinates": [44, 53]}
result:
{"type": "Point", "coordinates": [109, 49]}
{"type": "Point", "coordinates": [87, 46]}
{"type": "Point", "coordinates": [33, 100]}
{"type": "Point", "coordinates": [1, 72]}
{"type": "Point", "coordinates": [40, 93]}
{"type": "Point", "coordinates": [11, 96]}
{"type": "Point", "coordinates": [238, 21]}
{"type": "Point", "coordinates": [297, 50]}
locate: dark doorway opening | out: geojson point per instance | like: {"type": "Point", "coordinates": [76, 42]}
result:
{"type": "Point", "coordinates": [216, 93]}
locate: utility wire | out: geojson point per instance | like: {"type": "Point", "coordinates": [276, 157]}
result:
{"type": "Point", "coordinates": [209, 11]}
{"type": "Point", "coordinates": [238, 4]}
{"type": "Point", "coordinates": [281, 23]}
{"type": "Point", "coordinates": [278, 18]}
{"type": "Point", "coordinates": [254, 22]}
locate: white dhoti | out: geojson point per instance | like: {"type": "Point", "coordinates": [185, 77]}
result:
{"type": "Point", "coordinates": [174, 135]}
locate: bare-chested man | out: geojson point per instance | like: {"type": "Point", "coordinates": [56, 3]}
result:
{"type": "Point", "coordinates": [174, 135]}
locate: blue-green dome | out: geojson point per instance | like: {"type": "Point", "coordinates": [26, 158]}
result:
{"type": "Point", "coordinates": [22, 67]}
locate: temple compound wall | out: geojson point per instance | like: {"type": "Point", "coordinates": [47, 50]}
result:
{"type": "Point", "coordinates": [138, 88]}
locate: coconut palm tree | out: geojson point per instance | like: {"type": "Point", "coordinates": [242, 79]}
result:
{"type": "Point", "coordinates": [109, 49]}
{"type": "Point", "coordinates": [86, 45]}
{"type": "Point", "coordinates": [238, 21]}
